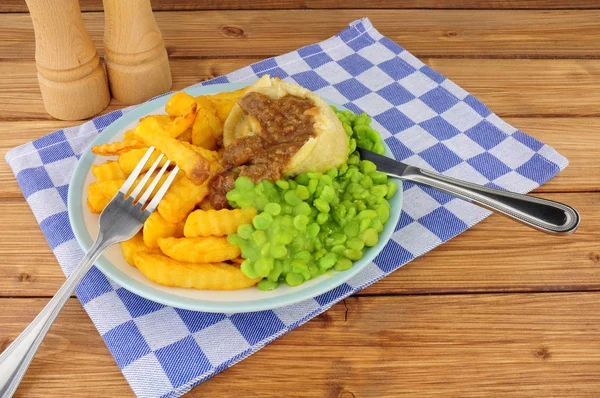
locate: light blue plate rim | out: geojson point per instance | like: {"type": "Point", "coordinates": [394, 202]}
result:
{"type": "Point", "coordinates": [75, 209]}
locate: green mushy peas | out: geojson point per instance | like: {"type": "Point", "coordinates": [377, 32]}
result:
{"type": "Point", "coordinates": [314, 223]}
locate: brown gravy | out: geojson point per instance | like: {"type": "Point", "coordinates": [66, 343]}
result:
{"type": "Point", "coordinates": [286, 126]}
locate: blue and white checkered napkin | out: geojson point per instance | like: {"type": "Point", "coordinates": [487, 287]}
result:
{"type": "Point", "coordinates": [427, 121]}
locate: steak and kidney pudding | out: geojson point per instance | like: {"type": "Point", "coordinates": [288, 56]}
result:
{"type": "Point", "coordinates": [278, 129]}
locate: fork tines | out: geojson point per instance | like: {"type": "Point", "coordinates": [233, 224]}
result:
{"type": "Point", "coordinates": [137, 195]}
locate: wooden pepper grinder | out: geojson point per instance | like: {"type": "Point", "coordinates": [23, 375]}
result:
{"type": "Point", "coordinates": [134, 51]}
{"type": "Point", "coordinates": [71, 77]}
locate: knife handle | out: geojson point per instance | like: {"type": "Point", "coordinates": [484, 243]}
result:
{"type": "Point", "coordinates": [542, 214]}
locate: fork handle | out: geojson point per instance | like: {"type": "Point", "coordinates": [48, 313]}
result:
{"type": "Point", "coordinates": [15, 360]}
{"type": "Point", "coordinates": [542, 214]}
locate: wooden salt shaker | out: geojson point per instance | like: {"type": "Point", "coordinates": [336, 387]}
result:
{"type": "Point", "coordinates": [134, 51]}
{"type": "Point", "coordinates": [71, 77]}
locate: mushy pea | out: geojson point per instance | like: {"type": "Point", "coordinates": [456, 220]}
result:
{"type": "Point", "coordinates": [315, 222]}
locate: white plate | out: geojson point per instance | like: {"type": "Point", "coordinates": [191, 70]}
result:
{"type": "Point", "coordinates": [113, 265]}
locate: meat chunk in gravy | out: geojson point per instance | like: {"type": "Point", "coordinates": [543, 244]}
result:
{"type": "Point", "coordinates": [286, 125]}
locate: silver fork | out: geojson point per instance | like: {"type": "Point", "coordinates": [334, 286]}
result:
{"type": "Point", "coordinates": [122, 218]}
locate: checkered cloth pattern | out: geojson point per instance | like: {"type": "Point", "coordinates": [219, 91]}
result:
{"type": "Point", "coordinates": [426, 120]}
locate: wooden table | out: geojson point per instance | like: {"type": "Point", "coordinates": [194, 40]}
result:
{"type": "Point", "coordinates": [501, 309]}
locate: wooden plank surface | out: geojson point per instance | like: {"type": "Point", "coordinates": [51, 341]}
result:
{"type": "Point", "coordinates": [177, 5]}
{"type": "Point", "coordinates": [440, 33]}
{"type": "Point", "coordinates": [575, 138]}
{"type": "Point", "coordinates": [448, 345]}
{"type": "Point", "coordinates": [499, 311]}
{"type": "Point", "coordinates": [497, 255]}
{"type": "Point", "coordinates": [509, 87]}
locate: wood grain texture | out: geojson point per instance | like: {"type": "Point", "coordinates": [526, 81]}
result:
{"type": "Point", "coordinates": [137, 62]}
{"type": "Point", "coordinates": [71, 76]}
{"type": "Point", "coordinates": [189, 5]}
{"type": "Point", "coordinates": [73, 359]}
{"type": "Point", "coordinates": [499, 311]}
{"type": "Point", "coordinates": [575, 138]}
{"type": "Point", "coordinates": [528, 87]}
{"type": "Point", "coordinates": [440, 33]}
{"type": "Point", "coordinates": [496, 255]}
{"type": "Point", "coordinates": [450, 345]}
{"type": "Point", "coordinates": [510, 88]}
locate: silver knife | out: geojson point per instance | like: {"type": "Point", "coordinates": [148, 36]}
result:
{"type": "Point", "coordinates": [542, 214]}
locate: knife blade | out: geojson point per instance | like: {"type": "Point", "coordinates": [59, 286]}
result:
{"type": "Point", "coordinates": [387, 165]}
